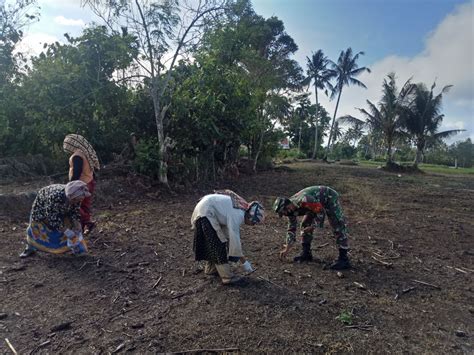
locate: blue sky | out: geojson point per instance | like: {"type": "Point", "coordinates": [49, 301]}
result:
{"type": "Point", "coordinates": [377, 27]}
{"type": "Point", "coordinates": [425, 39]}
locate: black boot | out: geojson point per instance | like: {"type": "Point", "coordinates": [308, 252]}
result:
{"type": "Point", "coordinates": [305, 255]}
{"type": "Point", "coordinates": [342, 263]}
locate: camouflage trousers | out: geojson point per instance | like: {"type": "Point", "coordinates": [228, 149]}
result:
{"type": "Point", "coordinates": [333, 210]}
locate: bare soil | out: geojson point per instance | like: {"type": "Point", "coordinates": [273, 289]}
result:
{"type": "Point", "coordinates": [140, 290]}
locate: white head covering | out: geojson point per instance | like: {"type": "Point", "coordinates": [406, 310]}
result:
{"type": "Point", "coordinates": [77, 188]}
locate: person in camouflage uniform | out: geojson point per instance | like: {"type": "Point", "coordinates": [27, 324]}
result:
{"type": "Point", "coordinates": [314, 203]}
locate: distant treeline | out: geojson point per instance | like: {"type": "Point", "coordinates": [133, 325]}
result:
{"type": "Point", "coordinates": [190, 104]}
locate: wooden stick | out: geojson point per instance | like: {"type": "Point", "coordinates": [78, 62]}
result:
{"type": "Point", "coordinates": [157, 282]}
{"type": "Point", "coordinates": [360, 326]}
{"type": "Point", "coordinates": [83, 266]}
{"type": "Point", "coordinates": [427, 284]}
{"type": "Point", "coordinates": [267, 280]}
{"type": "Point", "coordinates": [11, 346]}
{"type": "Point", "coordinates": [40, 346]}
{"type": "Point", "coordinates": [205, 350]}
{"type": "Point", "coordinates": [322, 245]}
{"type": "Point", "coordinates": [381, 262]}
{"type": "Point", "coordinates": [408, 289]}
{"type": "Point", "coordinates": [123, 312]}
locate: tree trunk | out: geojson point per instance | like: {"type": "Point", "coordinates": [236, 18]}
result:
{"type": "Point", "coordinates": [260, 145]}
{"type": "Point", "coordinates": [299, 141]}
{"type": "Point", "coordinates": [418, 157]}
{"type": "Point", "coordinates": [389, 152]}
{"type": "Point", "coordinates": [420, 144]}
{"type": "Point", "coordinates": [163, 174]}
{"type": "Point", "coordinates": [332, 125]}
{"type": "Point", "coordinates": [315, 149]}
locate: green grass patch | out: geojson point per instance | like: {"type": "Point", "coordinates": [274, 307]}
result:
{"type": "Point", "coordinates": [432, 168]}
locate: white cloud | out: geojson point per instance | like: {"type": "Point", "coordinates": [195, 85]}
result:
{"type": "Point", "coordinates": [448, 59]}
{"type": "Point", "coordinates": [61, 20]}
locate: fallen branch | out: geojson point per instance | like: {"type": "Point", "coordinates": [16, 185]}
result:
{"type": "Point", "coordinates": [157, 282]}
{"type": "Point", "coordinates": [386, 257]}
{"type": "Point", "coordinates": [87, 262]}
{"type": "Point", "coordinates": [406, 290]}
{"type": "Point", "coordinates": [457, 269]}
{"type": "Point", "coordinates": [381, 262]}
{"type": "Point", "coordinates": [360, 326]}
{"type": "Point", "coordinates": [123, 312]}
{"type": "Point", "coordinates": [427, 284]}
{"type": "Point", "coordinates": [205, 351]}
{"type": "Point", "coordinates": [322, 245]}
{"type": "Point", "coordinates": [359, 285]}
{"type": "Point", "coordinates": [10, 346]}
{"type": "Point", "coordinates": [270, 282]}
{"type": "Point", "coordinates": [118, 348]}
{"type": "Point", "coordinates": [40, 346]}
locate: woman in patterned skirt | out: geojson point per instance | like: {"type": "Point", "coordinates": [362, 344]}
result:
{"type": "Point", "coordinates": [55, 225]}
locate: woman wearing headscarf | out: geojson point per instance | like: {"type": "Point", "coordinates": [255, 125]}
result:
{"type": "Point", "coordinates": [55, 225]}
{"type": "Point", "coordinates": [216, 220]}
{"type": "Point", "coordinates": [83, 163]}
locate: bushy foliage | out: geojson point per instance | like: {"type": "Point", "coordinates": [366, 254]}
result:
{"type": "Point", "coordinates": [292, 153]}
{"type": "Point", "coordinates": [147, 159]}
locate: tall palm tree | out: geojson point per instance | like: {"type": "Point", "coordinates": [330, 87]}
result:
{"type": "Point", "coordinates": [424, 118]}
{"type": "Point", "coordinates": [354, 133]}
{"type": "Point", "coordinates": [303, 112]}
{"type": "Point", "coordinates": [337, 133]}
{"type": "Point", "coordinates": [345, 71]}
{"type": "Point", "coordinates": [388, 117]}
{"type": "Point", "coordinates": [319, 74]}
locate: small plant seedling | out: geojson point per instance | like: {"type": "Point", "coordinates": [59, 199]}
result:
{"type": "Point", "coordinates": [345, 317]}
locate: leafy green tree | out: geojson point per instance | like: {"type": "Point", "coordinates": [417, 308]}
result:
{"type": "Point", "coordinates": [262, 49]}
{"type": "Point", "coordinates": [463, 153]}
{"type": "Point", "coordinates": [164, 31]}
{"type": "Point", "coordinates": [439, 153]}
{"type": "Point", "coordinates": [345, 71]}
{"type": "Point", "coordinates": [318, 73]}
{"type": "Point", "coordinates": [13, 19]}
{"type": "Point", "coordinates": [70, 88]}
{"type": "Point", "coordinates": [424, 118]}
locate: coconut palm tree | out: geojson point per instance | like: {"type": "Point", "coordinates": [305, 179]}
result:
{"type": "Point", "coordinates": [319, 74]}
{"type": "Point", "coordinates": [337, 133]}
{"type": "Point", "coordinates": [388, 117]}
{"type": "Point", "coordinates": [423, 119]}
{"type": "Point", "coordinates": [354, 133]}
{"type": "Point", "coordinates": [345, 71]}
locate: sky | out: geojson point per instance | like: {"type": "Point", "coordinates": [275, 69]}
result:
{"type": "Point", "coordinates": [426, 40]}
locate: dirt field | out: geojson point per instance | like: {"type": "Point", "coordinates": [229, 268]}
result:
{"type": "Point", "coordinates": [140, 291]}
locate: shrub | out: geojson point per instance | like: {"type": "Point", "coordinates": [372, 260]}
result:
{"type": "Point", "coordinates": [292, 153]}
{"type": "Point", "coordinates": [147, 160]}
